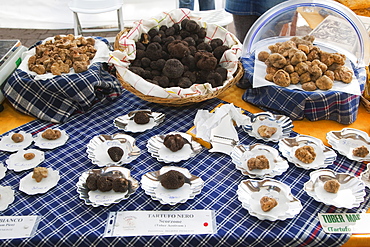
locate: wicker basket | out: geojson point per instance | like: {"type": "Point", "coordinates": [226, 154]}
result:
{"type": "Point", "coordinates": [176, 101]}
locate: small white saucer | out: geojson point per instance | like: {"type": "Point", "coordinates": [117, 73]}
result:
{"type": "Point", "coordinates": [8, 145]}
{"type": "Point", "coordinates": [2, 170]}
{"type": "Point", "coordinates": [97, 149]}
{"type": "Point", "coordinates": [7, 197]}
{"type": "Point", "coordinates": [283, 125]}
{"type": "Point", "coordinates": [29, 185]}
{"type": "Point", "coordinates": [151, 185]}
{"type": "Point", "coordinates": [51, 144]}
{"type": "Point", "coordinates": [18, 163]}
{"type": "Point", "coordinates": [127, 123]}
{"type": "Point", "coordinates": [163, 154]}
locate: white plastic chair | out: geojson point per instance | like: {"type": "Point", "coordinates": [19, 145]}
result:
{"type": "Point", "coordinates": [217, 16]}
{"type": "Point", "coordinates": [95, 7]}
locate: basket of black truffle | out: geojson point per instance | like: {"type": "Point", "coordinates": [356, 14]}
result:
{"type": "Point", "coordinates": [176, 59]}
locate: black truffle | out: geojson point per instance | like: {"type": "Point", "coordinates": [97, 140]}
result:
{"type": "Point", "coordinates": [172, 179]}
{"type": "Point", "coordinates": [104, 183]}
{"type": "Point", "coordinates": [173, 68]}
{"type": "Point", "coordinates": [174, 142]}
{"type": "Point", "coordinates": [120, 185]}
{"type": "Point", "coordinates": [141, 117]}
{"type": "Point", "coordinates": [205, 60]}
{"type": "Point", "coordinates": [115, 153]}
{"type": "Point", "coordinates": [92, 181]}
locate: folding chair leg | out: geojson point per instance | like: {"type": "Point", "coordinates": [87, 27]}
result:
{"type": "Point", "coordinates": [77, 24]}
{"type": "Point", "coordinates": [120, 19]}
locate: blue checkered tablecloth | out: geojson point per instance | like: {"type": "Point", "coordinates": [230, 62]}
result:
{"type": "Point", "coordinates": [298, 104]}
{"type": "Point", "coordinates": [60, 97]}
{"type": "Point", "coordinates": [67, 221]}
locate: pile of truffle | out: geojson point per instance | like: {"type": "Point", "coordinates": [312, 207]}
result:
{"type": "Point", "coordinates": [62, 54]}
{"type": "Point", "coordinates": [107, 181]}
{"type": "Point", "coordinates": [299, 61]}
{"type": "Point", "coordinates": [179, 56]}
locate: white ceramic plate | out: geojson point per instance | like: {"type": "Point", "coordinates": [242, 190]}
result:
{"type": "Point", "coordinates": [282, 123]}
{"type": "Point", "coordinates": [251, 191]}
{"type": "Point", "coordinates": [152, 186]}
{"type": "Point", "coordinates": [97, 149]}
{"type": "Point", "coordinates": [346, 140]}
{"type": "Point", "coordinates": [350, 194]}
{"type": "Point", "coordinates": [18, 163]}
{"type": "Point", "coordinates": [325, 156]}
{"type": "Point", "coordinates": [2, 170]}
{"type": "Point", "coordinates": [127, 123]}
{"type": "Point", "coordinates": [159, 151]}
{"type": "Point", "coordinates": [29, 185]}
{"type": "Point", "coordinates": [365, 176]}
{"type": "Point", "coordinates": [7, 197]}
{"type": "Point", "coordinates": [241, 154]}
{"type": "Point", "coordinates": [51, 144]}
{"type": "Point", "coordinates": [8, 145]}
{"type": "Point", "coordinates": [98, 198]}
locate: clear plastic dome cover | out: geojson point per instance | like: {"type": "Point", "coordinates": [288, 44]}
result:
{"type": "Point", "coordinates": [333, 25]}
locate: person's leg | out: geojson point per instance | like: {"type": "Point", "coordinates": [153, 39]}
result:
{"type": "Point", "coordinates": [188, 4]}
{"type": "Point", "coordinates": [242, 24]}
{"type": "Point", "coordinates": [206, 4]}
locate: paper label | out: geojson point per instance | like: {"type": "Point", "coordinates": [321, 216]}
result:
{"type": "Point", "coordinates": [345, 222]}
{"type": "Point", "coordinates": [18, 226]}
{"type": "Point", "coordinates": [149, 223]}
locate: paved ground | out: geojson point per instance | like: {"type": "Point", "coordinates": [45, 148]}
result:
{"type": "Point", "coordinates": [28, 37]}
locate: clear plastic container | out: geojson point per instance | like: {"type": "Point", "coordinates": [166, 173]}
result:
{"type": "Point", "coordinates": [333, 25]}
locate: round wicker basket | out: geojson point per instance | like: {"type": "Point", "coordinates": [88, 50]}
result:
{"type": "Point", "coordinates": [176, 101]}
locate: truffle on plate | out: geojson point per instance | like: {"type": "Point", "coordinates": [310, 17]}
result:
{"type": "Point", "coordinates": [268, 203]}
{"type": "Point", "coordinates": [141, 117]}
{"type": "Point", "coordinates": [120, 185]}
{"type": "Point", "coordinates": [266, 131]}
{"type": "Point", "coordinates": [51, 134]}
{"type": "Point", "coordinates": [115, 153]}
{"type": "Point", "coordinates": [259, 162]}
{"type": "Point", "coordinates": [29, 156]}
{"type": "Point", "coordinates": [17, 137]}
{"type": "Point", "coordinates": [360, 151]}
{"type": "Point", "coordinates": [174, 142]}
{"type": "Point", "coordinates": [39, 173]}
{"type": "Point", "coordinates": [172, 179]}
{"type": "Point", "coordinates": [306, 154]}
{"type": "Point", "coordinates": [332, 186]}
{"type": "Point", "coordinates": [92, 181]}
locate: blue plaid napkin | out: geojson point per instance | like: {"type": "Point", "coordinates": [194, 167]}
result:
{"type": "Point", "coordinates": [297, 104]}
{"type": "Point", "coordinates": [58, 98]}
{"type": "Point", "coordinates": [67, 221]}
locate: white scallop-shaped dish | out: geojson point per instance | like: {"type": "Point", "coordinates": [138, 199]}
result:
{"type": "Point", "coordinates": [325, 156]}
{"type": "Point", "coordinates": [346, 140]}
{"type": "Point", "coordinates": [8, 145]}
{"type": "Point", "coordinates": [283, 124]}
{"type": "Point", "coordinates": [98, 198]}
{"type": "Point", "coordinates": [163, 154]}
{"type": "Point", "coordinates": [51, 144]}
{"type": "Point", "coordinates": [97, 149]}
{"type": "Point", "coordinates": [7, 197]}
{"type": "Point", "coordinates": [241, 154]}
{"type": "Point", "coordinates": [18, 163]}
{"type": "Point", "coordinates": [127, 123]}
{"type": "Point", "coordinates": [29, 185]}
{"type": "Point", "coordinates": [251, 191]}
{"type": "Point", "coordinates": [365, 176]}
{"type": "Point", "coordinates": [152, 186]}
{"type": "Point", "coordinates": [350, 194]}
{"type": "Point", "coordinates": [2, 170]}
